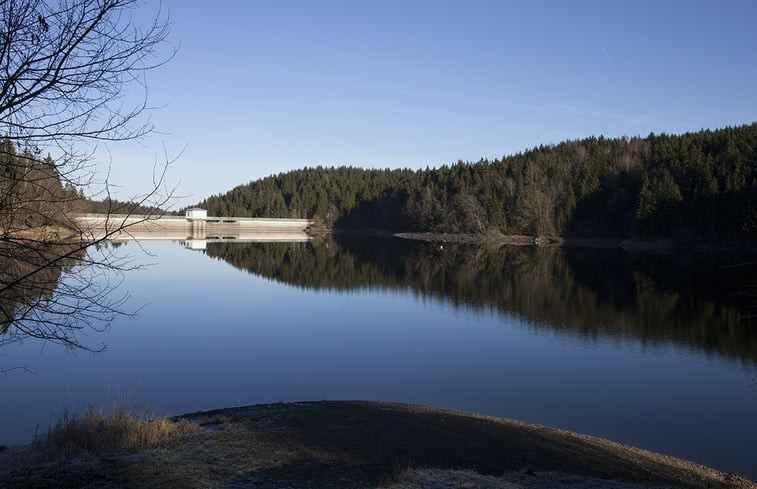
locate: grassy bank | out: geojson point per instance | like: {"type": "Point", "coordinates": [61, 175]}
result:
{"type": "Point", "coordinates": [338, 445]}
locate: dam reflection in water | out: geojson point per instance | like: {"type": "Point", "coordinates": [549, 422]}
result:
{"type": "Point", "coordinates": [657, 351]}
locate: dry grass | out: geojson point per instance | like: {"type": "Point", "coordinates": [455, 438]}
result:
{"type": "Point", "coordinates": [114, 429]}
{"type": "Point", "coordinates": [465, 479]}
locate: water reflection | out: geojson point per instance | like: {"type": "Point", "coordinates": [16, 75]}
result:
{"type": "Point", "coordinates": [30, 273]}
{"type": "Point", "coordinates": [695, 300]}
{"type": "Point", "coordinates": [583, 340]}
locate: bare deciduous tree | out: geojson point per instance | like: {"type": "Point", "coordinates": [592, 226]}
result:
{"type": "Point", "coordinates": [67, 73]}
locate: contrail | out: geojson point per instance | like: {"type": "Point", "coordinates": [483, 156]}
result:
{"type": "Point", "coordinates": [606, 55]}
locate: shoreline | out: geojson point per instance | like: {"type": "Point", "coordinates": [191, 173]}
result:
{"type": "Point", "coordinates": [341, 444]}
{"type": "Point", "coordinates": [626, 244]}
{"type": "Point", "coordinates": [55, 234]}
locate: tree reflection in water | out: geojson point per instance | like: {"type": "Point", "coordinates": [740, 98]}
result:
{"type": "Point", "coordinates": [53, 290]}
{"type": "Point", "coordinates": [690, 299]}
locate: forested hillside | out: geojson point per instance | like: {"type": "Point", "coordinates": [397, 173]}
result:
{"type": "Point", "coordinates": [31, 191]}
{"type": "Point", "coordinates": [34, 193]}
{"type": "Point", "coordinates": [698, 186]}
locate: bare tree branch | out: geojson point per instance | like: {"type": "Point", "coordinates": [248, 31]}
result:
{"type": "Point", "coordinates": [66, 71]}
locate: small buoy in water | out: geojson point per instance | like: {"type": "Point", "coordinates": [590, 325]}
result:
{"type": "Point", "coordinates": [441, 247]}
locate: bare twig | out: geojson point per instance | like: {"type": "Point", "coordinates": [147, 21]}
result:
{"type": "Point", "coordinates": [66, 67]}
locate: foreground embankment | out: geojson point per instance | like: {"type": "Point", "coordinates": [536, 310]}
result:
{"type": "Point", "coordinates": [361, 444]}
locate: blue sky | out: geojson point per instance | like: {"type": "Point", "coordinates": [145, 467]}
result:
{"type": "Point", "coordinates": [261, 87]}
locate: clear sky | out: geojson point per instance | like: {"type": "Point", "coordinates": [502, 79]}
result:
{"type": "Point", "coordinates": [262, 87]}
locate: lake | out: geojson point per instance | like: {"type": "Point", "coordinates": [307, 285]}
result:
{"type": "Point", "coordinates": [655, 350]}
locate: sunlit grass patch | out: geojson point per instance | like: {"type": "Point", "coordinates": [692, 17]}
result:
{"type": "Point", "coordinates": [102, 430]}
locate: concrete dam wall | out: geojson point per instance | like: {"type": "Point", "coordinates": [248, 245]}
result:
{"type": "Point", "coordinates": [125, 227]}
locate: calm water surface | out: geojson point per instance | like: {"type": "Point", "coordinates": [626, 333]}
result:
{"type": "Point", "coordinates": [650, 350]}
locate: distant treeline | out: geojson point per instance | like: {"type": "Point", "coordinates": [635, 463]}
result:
{"type": "Point", "coordinates": [114, 206]}
{"type": "Point", "coordinates": [699, 186]}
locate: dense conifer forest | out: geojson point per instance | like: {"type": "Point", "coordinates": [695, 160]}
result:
{"type": "Point", "coordinates": [699, 186]}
